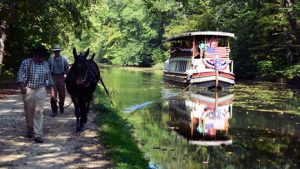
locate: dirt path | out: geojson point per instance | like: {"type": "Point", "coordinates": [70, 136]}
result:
{"type": "Point", "coordinates": [62, 147]}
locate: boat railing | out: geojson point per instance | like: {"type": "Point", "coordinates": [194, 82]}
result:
{"type": "Point", "coordinates": [181, 52]}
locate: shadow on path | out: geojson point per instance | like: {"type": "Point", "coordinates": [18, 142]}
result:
{"type": "Point", "coordinates": [62, 147]}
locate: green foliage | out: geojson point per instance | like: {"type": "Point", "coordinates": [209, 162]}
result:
{"type": "Point", "coordinates": [267, 70]}
{"type": "Point", "coordinates": [127, 30]}
{"type": "Point", "coordinates": [292, 71]}
{"type": "Point", "coordinates": [132, 32]}
{"type": "Point", "coordinates": [159, 55]}
{"type": "Point", "coordinates": [27, 23]}
{"type": "Point", "coordinates": [6, 75]}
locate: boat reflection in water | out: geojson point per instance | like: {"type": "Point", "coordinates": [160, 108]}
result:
{"type": "Point", "coordinates": [202, 117]}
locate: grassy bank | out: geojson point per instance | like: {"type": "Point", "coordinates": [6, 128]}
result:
{"type": "Point", "coordinates": [116, 135]}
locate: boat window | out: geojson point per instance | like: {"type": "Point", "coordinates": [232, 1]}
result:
{"type": "Point", "coordinates": [181, 48]}
{"type": "Point", "coordinates": [212, 41]}
{"type": "Point", "coordinates": [186, 44]}
{"type": "Point", "coordinates": [216, 41]}
{"type": "Point", "coordinates": [223, 42]}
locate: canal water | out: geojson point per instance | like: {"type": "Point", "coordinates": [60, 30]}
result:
{"type": "Point", "coordinates": [253, 125]}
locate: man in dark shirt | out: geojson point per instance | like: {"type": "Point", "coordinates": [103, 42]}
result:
{"type": "Point", "coordinates": [59, 68]}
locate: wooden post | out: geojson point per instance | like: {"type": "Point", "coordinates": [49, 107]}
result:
{"type": "Point", "coordinates": [217, 71]}
{"type": "Point", "coordinates": [205, 40]}
{"type": "Point", "coordinates": [228, 44]}
{"type": "Point", "coordinates": [192, 125]}
{"type": "Point", "coordinates": [217, 79]}
{"type": "Point", "coordinates": [216, 99]}
{"type": "Point", "coordinates": [194, 47]}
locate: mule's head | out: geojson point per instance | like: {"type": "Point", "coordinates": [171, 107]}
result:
{"type": "Point", "coordinates": [80, 66]}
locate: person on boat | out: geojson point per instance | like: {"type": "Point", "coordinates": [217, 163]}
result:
{"type": "Point", "coordinates": [202, 48]}
{"type": "Point", "coordinates": [200, 128]}
{"type": "Point", "coordinates": [213, 42]}
{"type": "Point", "coordinates": [59, 68]}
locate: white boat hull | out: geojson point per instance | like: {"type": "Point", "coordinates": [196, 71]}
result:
{"type": "Point", "coordinates": [198, 74]}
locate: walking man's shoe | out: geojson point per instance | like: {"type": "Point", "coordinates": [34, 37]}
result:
{"type": "Point", "coordinates": [61, 109]}
{"type": "Point", "coordinates": [38, 140]}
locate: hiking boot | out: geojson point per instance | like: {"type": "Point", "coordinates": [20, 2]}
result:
{"type": "Point", "coordinates": [61, 109]}
{"type": "Point", "coordinates": [38, 140]}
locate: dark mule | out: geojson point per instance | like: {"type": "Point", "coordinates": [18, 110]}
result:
{"type": "Point", "coordinates": [81, 82]}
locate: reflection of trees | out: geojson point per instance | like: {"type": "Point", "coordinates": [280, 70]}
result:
{"type": "Point", "coordinates": [127, 84]}
{"type": "Point", "coordinates": [267, 150]}
{"type": "Point", "coordinates": [270, 139]}
{"type": "Point", "coordinates": [260, 140]}
{"type": "Point", "coordinates": [165, 147]}
{"type": "Point", "coordinates": [267, 97]}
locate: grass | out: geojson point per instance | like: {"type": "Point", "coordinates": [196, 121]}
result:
{"type": "Point", "coordinates": [116, 135]}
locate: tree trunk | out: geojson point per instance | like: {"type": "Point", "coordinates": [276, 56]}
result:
{"type": "Point", "coordinates": [293, 23]}
{"type": "Point", "coordinates": [288, 54]}
{"type": "Point", "coordinates": [2, 42]}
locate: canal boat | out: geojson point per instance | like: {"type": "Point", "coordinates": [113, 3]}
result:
{"type": "Point", "coordinates": [200, 58]}
{"type": "Point", "coordinates": [202, 118]}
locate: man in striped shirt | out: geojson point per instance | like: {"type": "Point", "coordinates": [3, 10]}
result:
{"type": "Point", "coordinates": [59, 68]}
{"type": "Point", "coordinates": [34, 78]}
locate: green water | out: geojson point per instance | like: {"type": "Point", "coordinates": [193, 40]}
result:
{"type": "Point", "coordinates": [130, 88]}
{"type": "Point", "coordinates": [263, 122]}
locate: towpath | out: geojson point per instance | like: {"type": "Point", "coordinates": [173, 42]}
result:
{"type": "Point", "coordinates": [62, 147]}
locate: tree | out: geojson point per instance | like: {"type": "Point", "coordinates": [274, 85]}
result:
{"type": "Point", "coordinates": [292, 30]}
{"type": "Point", "coordinates": [27, 22]}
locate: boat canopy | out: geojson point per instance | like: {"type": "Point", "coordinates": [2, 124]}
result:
{"type": "Point", "coordinates": [200, 33]}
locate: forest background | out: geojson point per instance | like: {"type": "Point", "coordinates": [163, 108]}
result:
{"type": "Point", "coordinates": [133, 32]}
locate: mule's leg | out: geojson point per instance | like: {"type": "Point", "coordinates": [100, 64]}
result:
{"type": "Point", "coordinates": [82, 107]}
{"type": "Point", "coordinates": [77, 113]}
{"type": "Point", "coordinates": [87, 109]}
{"type": "Point", "coordinates": [89, 102]}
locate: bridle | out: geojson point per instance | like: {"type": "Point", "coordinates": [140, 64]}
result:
{"type": "Point", "coordinates": [86, 81]}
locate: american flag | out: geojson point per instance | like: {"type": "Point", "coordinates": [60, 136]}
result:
{"type": "Point", "coordinates": [220, 52]}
